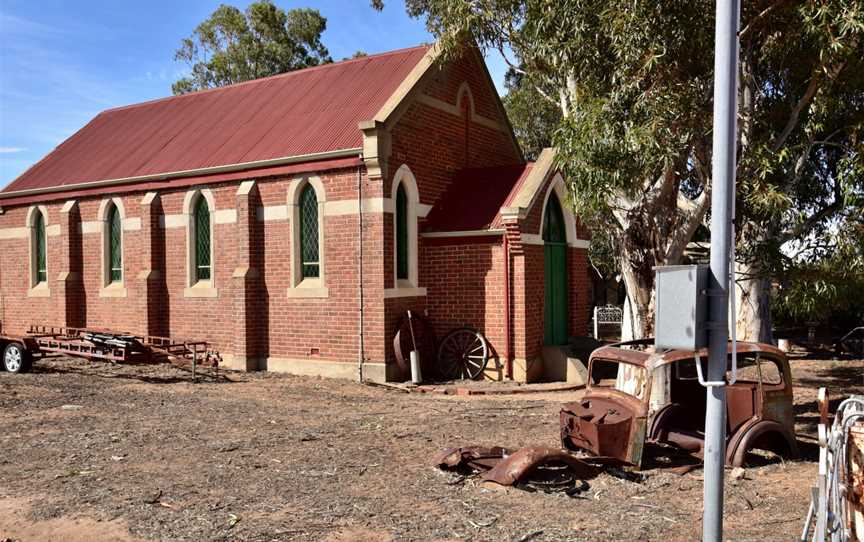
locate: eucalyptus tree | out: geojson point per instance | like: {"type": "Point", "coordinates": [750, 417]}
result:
{"type": "Point", "coordinates": [633, 80]}
{"type": "Point", "coordinates": [233, 46]}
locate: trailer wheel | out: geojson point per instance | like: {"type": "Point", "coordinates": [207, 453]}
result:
{"type": "Point", "coordinates": [16, 359]}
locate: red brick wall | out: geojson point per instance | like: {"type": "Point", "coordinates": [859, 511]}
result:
{"type": "Point", "coordinates": [435, 144]}
{"type": "Point", "coordinates": [435, 154]}
{"type": "Point", "coordinates": [579, 284]}
{"type": "Point", "coordinates": [284, 327]}
{"type": "Point", "coordinates": [465, 285]}
{"type": "Point", "coordinates": [20, 310]}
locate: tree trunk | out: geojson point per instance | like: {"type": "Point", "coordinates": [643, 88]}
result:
{"type": "Point", "coordinates": [638, 278]}
{"type": "Point", "coordinates": [753, 305]}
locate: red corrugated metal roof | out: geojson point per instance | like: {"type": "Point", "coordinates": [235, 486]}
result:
{"type": "Point", "coordinates": [177, 182]}
{"type": "Point", "coordinates": [475, 197]}
{"type": "Point", "coordinates": [303, 112]}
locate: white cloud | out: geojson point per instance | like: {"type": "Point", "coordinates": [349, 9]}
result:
{"type": "Point", "coordinates": [11, 150]}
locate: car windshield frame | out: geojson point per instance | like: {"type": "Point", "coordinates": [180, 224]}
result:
{"type": "Point", "coordinates": [644, 383]}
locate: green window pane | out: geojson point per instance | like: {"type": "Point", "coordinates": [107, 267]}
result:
{"type": "Point", "coordinates": [202, 240]}
{"type": "Point", "coordinates": [309, 249]}
{"type": "Point", "coordinates": [553, 228]}
{"type": "Point", "coordinates": [41, 249]}
{"type": "Point", "coordinates": [401, 233]}
{"type": "Point", "coordinates": [114, 245]}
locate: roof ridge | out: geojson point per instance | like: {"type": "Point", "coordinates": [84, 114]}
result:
{"type": "Point", "coordinates": [268, 78]}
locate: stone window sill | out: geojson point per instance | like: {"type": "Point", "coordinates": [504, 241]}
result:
{"type": "Point", "coordinates": [203, 288]}
{"type": "Point", "coordinates": [404, 291]}
{"type": "Point", "coordinates": [40, 290]}
{"type": "Point", "coordinates": [309, 288]}
{"type": "Point", "coordinates": [115, 289]}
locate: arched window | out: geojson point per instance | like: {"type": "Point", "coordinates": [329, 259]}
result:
{"type": "Point", "coordinates": [309, 249]}
{"type": "Point", "coordinates": [201, 240]}
{"type": "Point", "coordinates": [401, 233]}
{"type": "Point", "coordinates": [554, 229]}
{"type": "Point", "coordinates": [306, 201]}
{"type": "Point", "coordinates": [40, 249]}
{"type": "Point", "coordinates": [114, 246]}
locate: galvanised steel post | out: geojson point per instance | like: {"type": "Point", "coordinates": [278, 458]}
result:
{"type": "Point", "coordinates": [722, 199]}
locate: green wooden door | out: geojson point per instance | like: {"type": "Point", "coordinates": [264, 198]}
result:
{"type": "Point", "coordinates": [555, 272]}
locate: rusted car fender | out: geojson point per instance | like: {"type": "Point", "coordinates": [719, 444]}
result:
{"type": "Point", "coordinates": [749, 434]}
{"type": "Point", "coordinates": [518, 466]}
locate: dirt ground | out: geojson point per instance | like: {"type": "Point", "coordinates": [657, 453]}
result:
{"type": "Point", "coordinates": [102, 452]}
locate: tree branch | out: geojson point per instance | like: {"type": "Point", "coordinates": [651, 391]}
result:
{"type": "Point", "coordinates": [812, 88]}
{"type": "Point", "coordinates": [694, 212]}
{"type": "Point", "coordinates": [743, 32]}
{"type": "Point", "coordinates": [817, 217]}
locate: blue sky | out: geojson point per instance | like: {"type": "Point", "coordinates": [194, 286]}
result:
{"type": "Point", "coordinates": [62, 62]}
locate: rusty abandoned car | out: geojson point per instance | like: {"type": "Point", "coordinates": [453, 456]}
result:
{"type": "Point", "coordinates": [638, 399]}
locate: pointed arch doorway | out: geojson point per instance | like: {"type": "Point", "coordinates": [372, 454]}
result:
{"type": "Point", "coordinates": [555, 274]}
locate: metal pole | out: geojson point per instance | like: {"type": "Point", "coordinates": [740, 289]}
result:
{"type": "Point", "coordinates": [722, 197]}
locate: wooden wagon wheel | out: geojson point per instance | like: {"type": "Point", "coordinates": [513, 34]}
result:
{"type": "Point", "coordinates": [463, 354]}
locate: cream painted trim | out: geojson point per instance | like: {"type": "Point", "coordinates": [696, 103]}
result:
{"type": "Point", "coordinates": [114, 289]}
{"type": "Point", "coordinates": [189, 201]}
{"type": "Point", "coordinates": [225, 216]}
{"type": "Point", "coordinates": [441, 105]}
{"type": "Point", "coordinates": [422, 209]}
{"type": "Point", "coordinates": [132, 224]}
{"type": "Point", "coordinates": [295, 190]}
{"type": "Point", "coordinates": [39, 290]}
{"type": "Point", "coordinates": [102, 215]}
{"type": "Point", "coordinates": [14, 233]}
{"type": "Point", "coordinates": [408, 84]}
{"type": "Point", "coordinates": [168, 222]}
{"type": "Point", "coordinates": [31, 244]}
{"type": "Point", "coordinates": [32, 210]}
{"type": "Point", "coordinates": [308, 292]}
{"type": "Point", "coordinates": [390, 293]}
{"type": "Point", "coordinates": [537, 239]}
{"type": "Point", "coordinates": [245, 188]}
{"type": "Point", "coordinates": [68, 206]}
{"type": "Point", "coordinates": [466, 233]}
{"type": "Point", "coordinates": [90, 226]}
{"type": "Point", "coordinates": [531, 187]}
{"type": "Point", "coordinates": [405, 177]}
{"type": "Point", "coordinates": [557, 186]}
{"type": "Point", "coordinates": [349, 206]}
{"type": "Point", "coordinates": [103, 207]}
{"type": "Point", "coordinates": [53, 230]}
{"type": "Point", "coordinates": [202, 288]}
{"type": "Point", "coordinates": [149, 197]}
{"type": "Point", "coordinates": [274, 212]}
{"type": "Point", "coordinates": [228, 168]}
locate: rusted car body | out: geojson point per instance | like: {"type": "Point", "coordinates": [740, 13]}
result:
{"type": "Point", "coordinates": [617, 418]}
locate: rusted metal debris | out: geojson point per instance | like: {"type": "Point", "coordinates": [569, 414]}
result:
{"type": "Point", "coordinates": [110, 346]}
{"type": "Point", "coordinates": [616, 419]}
{"type": "Point", "coordinates": [535, 468]}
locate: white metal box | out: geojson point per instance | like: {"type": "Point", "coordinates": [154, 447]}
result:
{"type": "Point", "coordinates": [682, 307]}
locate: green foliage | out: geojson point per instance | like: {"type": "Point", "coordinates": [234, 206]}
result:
{"type": "Point", "coordinates": [233, 46]}
{"type": "Point", "coordinates": [533, 117]}
{"type": "Point", "coordinates": [830, 286]}
{"type": "Point", "coordinates": [635, 80]}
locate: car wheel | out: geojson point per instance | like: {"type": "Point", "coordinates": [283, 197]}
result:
{"type": "Point", "coordinates": [16, 359]}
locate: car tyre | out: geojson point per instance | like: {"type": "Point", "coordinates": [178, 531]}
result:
{"type": "Point", "coordinates": [16, 359]}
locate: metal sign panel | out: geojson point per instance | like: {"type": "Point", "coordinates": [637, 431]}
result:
{"type": "Point", "coordinates": [681, 308]}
